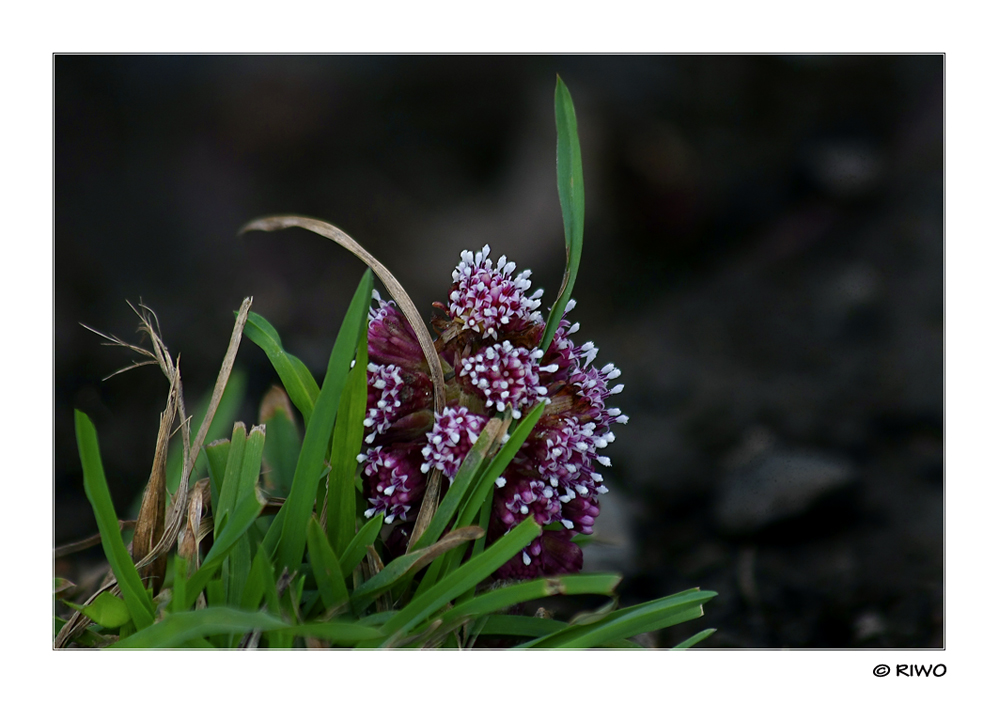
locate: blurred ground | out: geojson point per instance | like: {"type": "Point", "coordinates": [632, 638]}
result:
{"type": "Point", "coordinates": [763, 260]}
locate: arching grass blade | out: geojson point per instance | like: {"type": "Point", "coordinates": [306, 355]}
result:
{"type": "Point", "coordinates": [140, 606]}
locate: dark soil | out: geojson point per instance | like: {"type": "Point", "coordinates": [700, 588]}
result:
{"type": "Point", "coordinates": [763, 260]}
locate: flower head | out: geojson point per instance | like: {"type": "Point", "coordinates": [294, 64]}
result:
{"type": "Point", "coordinates": [454, 432]}
{"type": "Point", "coordinates": [488, 347]}
{"type": "Point", "coordinates": [393, 481]}
{"type": "Point", "coordinates": [505, 375]}
{"type": "Point", "coordinates": [488, 299]}
{"type": "Point", "coordinates": [393, 394]}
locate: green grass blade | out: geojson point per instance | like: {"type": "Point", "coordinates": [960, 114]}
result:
{"type": "Point", "coordinates": [240, 557]}
{"type": "Point", "coordinates": [326, 567]}
{"type": "Point", "coordinates": [529, 626]}
{"type": "Point", "coordinates": [302, 389]}
{"type": "Point", "coordinates": [261, 584]}
{"type": "Point", "coordinates": [179, 598]}
{"type": "Point", "coordinates": [106, 610]}
{"type": "Point", "coordinates": [252, 458]}
{"type": "Point", "coordinates": [215, 593]}
{"type": "Point", "coordinates": [253, 592]}
{"type": "Point", "coordinates": [337, 632]}
{"type": "Point", "coordinates": [176, 629]}
{"type": "Point", "coordinates": [348, 434]}
{"type": "Point", "coordinates": [140, 606]}
{"type": "Point", "coordinates": [358, 547]}
{"type": "Point", "coordinates": [290, 544]}
{"type": "Point", "coordinates": [463, 578]}
{"type": "Point", "coordinates": [631, 621]}
{"type": "Point", "coordinates": [694, 639]}
{"type": "Point", "coordinates": [218, 455]}
{"type": "Point", "coordinates": [230, 480]}
{"type": "Point", "coordinates": [409, 564]}
{"type": "Point", "coordinates": [569, 169]}
{"type": "Point", "coordinates": [504, 597]}
{"type": "Point", "coordinates": [284, 442]}
{"type": "Point", "coordinates": [240, 521]}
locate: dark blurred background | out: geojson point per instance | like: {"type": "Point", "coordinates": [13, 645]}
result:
{"type": "Point", "coordinates": [763, 260]}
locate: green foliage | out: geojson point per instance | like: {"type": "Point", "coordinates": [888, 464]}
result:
{"type": "Point", "coordinates": [139, 604]}
{"type": "Point", "coordinates": [316, 573]}
{"type": "Point", "coordinates": [569, 171]}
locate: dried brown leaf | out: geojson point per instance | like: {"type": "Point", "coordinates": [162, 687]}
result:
{"type": "Point", "coordinates": [179, 506]}
{"type": "Point", "coordinates": [152, 514]}
{"type": "Point", "coordinates": [188, 545]}
{"type": "Point", "coordinates": [395, 289]}
{"type": "Point", "coordinates": [449, 541]}
{"type": "Point", "coordinates": [70, 548]}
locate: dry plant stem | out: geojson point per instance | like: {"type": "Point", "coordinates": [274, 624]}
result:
{"type": "Point", "coordinates": [395, 289]}
{"type": "Point", "coordinates": [179, 504]}
{"type": "Point", "coordinates": [178, 508]}
{"type": "Point", "coordinates": [428, 507]}
{"type": "Point", "coordinates": [193, 533]}
{"type": "Point", "coordinates": [406, 305]}
{"type": "Point", "coordinates": [70, 548]}
{"type": "Point", "coordinates": [152, 514]}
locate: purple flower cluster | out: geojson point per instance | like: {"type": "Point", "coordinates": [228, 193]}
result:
{"type": "Point", "coordinates": [488, 341]}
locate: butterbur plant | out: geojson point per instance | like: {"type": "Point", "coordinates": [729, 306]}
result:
{"type": "Point", "coordinates": [441, 491]}
{"type": "Point", "coordinates": [488, 343]}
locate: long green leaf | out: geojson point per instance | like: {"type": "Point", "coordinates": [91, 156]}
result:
{"type": "Point", "coordinates": [694, 639]}
{"type": "Point", "coordinates": [140, 605]}
{"type": "Point", "coordinates": [358, 547]}
{"type": "Point", "coordinates": [177, 629]}
{"type": "Point", "coordinates": [569, 169]}
{"type": "Point", "coordinates": [240, 520]}
{"type": "Point", "coordinates": [218, 455]}
{"type": "Point", "coordinates": [289, 545]}
{"type": "Point", "coordinates": [298, 382]}
{"type": "Point", "coordinates": [504, 597]}
{"type": "Point", "coordinates": [326, 567]}
{"type": "Point", "coordinates": [230, 480]}
{"type": "Point", "coordinates": [284, 442]}
{"type": "Point", "coordinates": [462, 579]}
{"type": "Point", "coordinates": [409, 564]}
{"type": "Point", "coordinates": [505, 625]}
{"type": "Point", "coordinates": [337, 632]}
{"type": "Point", "coordinates": [631, 621]}
{"type": "Point", "coordinates": [252, 459]}
{"type": "Point", "coordinates": [261, 585]}
{"type": "Point", "coordinates": [348, 435]}
{"type": "Point", "coordinates": [240, 558]}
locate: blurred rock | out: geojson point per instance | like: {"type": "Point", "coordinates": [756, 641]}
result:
{"type": "Point", "coordinates": [846, 168]}
{"type": "Point", "coordinates": [778, 486]}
